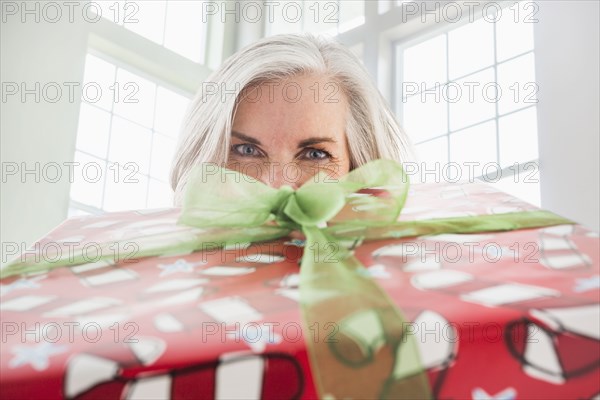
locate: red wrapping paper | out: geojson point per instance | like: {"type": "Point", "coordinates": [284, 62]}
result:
{"type": "Point", "coordinates": [510, 315]}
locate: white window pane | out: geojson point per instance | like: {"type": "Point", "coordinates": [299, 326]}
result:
{"type": "Point", "coordinates": [470, 48]}
{"type": "Point", "coordinates": [425, 117]}
{"type": "Point", "coordinates": [286, 16]}
{"type": "Point", "coordinates": [88, 180]}
{"type": "Point", "coordinates": [170, 109]}
{"type": "Point", "coordinates": [321, 16]}
{"type": "Point", "coordinates": [135, 98]}
{"type": "Point", "coordinates": [425, 63]}
{"type": "Point", "coordinates": [151, 20]}
{"type": "Point", "coordinates": [130, 143]}
{"type": "Point", "coordinates": [113, 10]}
{"type": "Point", "coordinates": [160, 194]}
{"type": "Point", "coordinates": [472, 99]}
{"type": "Point", "coordinates": [93, 130]}
{"type": "Point", "coordinates": [185, 30]}
{"type": "Point", "coordinates": [125, 189]}
{"type": "Point", "coordinates": [163, 149]}
{"type": "Point", "coordinates": [98, 79]}
{"type": "Point", "coordinates": [435, 150]}
{"type": "Point", "coordinates": [518, 137]}
{"type": "Point", "coordinates": [351, 14]}
{"type": "Point", "coordinates": [432, 155]}
{"type": "Point", "coordinates": [517, 80]}
{"type": "Point", "coordinates": [474, 149]}
{"type": "Point", "coordinates": [384, 6]}
{"type": "Point", "coordinates": [513, 38]}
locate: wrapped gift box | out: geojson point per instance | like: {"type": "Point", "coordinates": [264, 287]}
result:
{"type": "Point", "coordinates": [496, 315]}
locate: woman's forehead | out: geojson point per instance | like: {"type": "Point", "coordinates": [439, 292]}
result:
{"type": "Point", "coordinates": [314, 87]}
{"type": "Point", "coordinates": [294, 108]}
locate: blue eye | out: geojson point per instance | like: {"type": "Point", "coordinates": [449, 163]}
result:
{"type": "Point", "coordinates": [316, 154]}
{"type": "Point", "coordinates": [246, 150]}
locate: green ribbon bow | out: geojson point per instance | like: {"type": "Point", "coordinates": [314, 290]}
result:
{"type": "Point", "coordinates": [369, 353]}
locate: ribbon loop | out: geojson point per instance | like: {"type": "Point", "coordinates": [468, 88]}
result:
{"type": "Point", "coordinates": [315, 204]}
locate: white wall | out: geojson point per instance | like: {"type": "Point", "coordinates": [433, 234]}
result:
{"type": "Point", "coordinates": [567, 42]}
{"type": "Point", "coordinates": [34, 132]}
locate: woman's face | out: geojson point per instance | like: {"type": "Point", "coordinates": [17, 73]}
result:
{"type": "Point", "coordinates": [285, 132]}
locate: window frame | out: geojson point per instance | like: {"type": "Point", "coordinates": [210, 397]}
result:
{"type": "Point", "coordinates": [397, 103]}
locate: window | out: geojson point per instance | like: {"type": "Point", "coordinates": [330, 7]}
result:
{"type": "Point", "coordinates": [178, 25]}
{"type": "Point", "coordinates": [467, 98]}
{"type": "Point", "coordinates": [128, 128]}
{"type": "Point", "coordinates": [329, 17]}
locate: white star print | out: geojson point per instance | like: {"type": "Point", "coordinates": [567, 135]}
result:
{"type": "Point", "coordinates": [22, 283]}
{"type": "Point", "coordinates": [506, 394]}
{"type": "Point", "coordinates": [258, 339]}
{"type": "Point", "coordinates": [585, 284]}
{"type": "Point", "coordinates": [375, 271]}
{"type": "Point", "coordinates": [37, 355]}
{"type": "Point", "coordinates": [180, 265]}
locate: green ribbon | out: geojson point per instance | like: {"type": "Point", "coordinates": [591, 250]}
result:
{"type": "Point", "coordinates": [369, 353]}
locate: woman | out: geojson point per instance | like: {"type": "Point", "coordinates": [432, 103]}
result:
{"type": "Point", "coordinates": [285, 108]}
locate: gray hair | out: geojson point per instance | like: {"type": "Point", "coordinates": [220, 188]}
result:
{"type": "Point", "coordinates": [372, 130]}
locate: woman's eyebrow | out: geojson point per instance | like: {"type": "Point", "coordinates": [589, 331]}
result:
{"type": "Point", "coordinates": [247, 138]}
{"type": "Point", "coordinates": [315, 140]}
{"type": "Point", "coordinates": [304, 143]}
